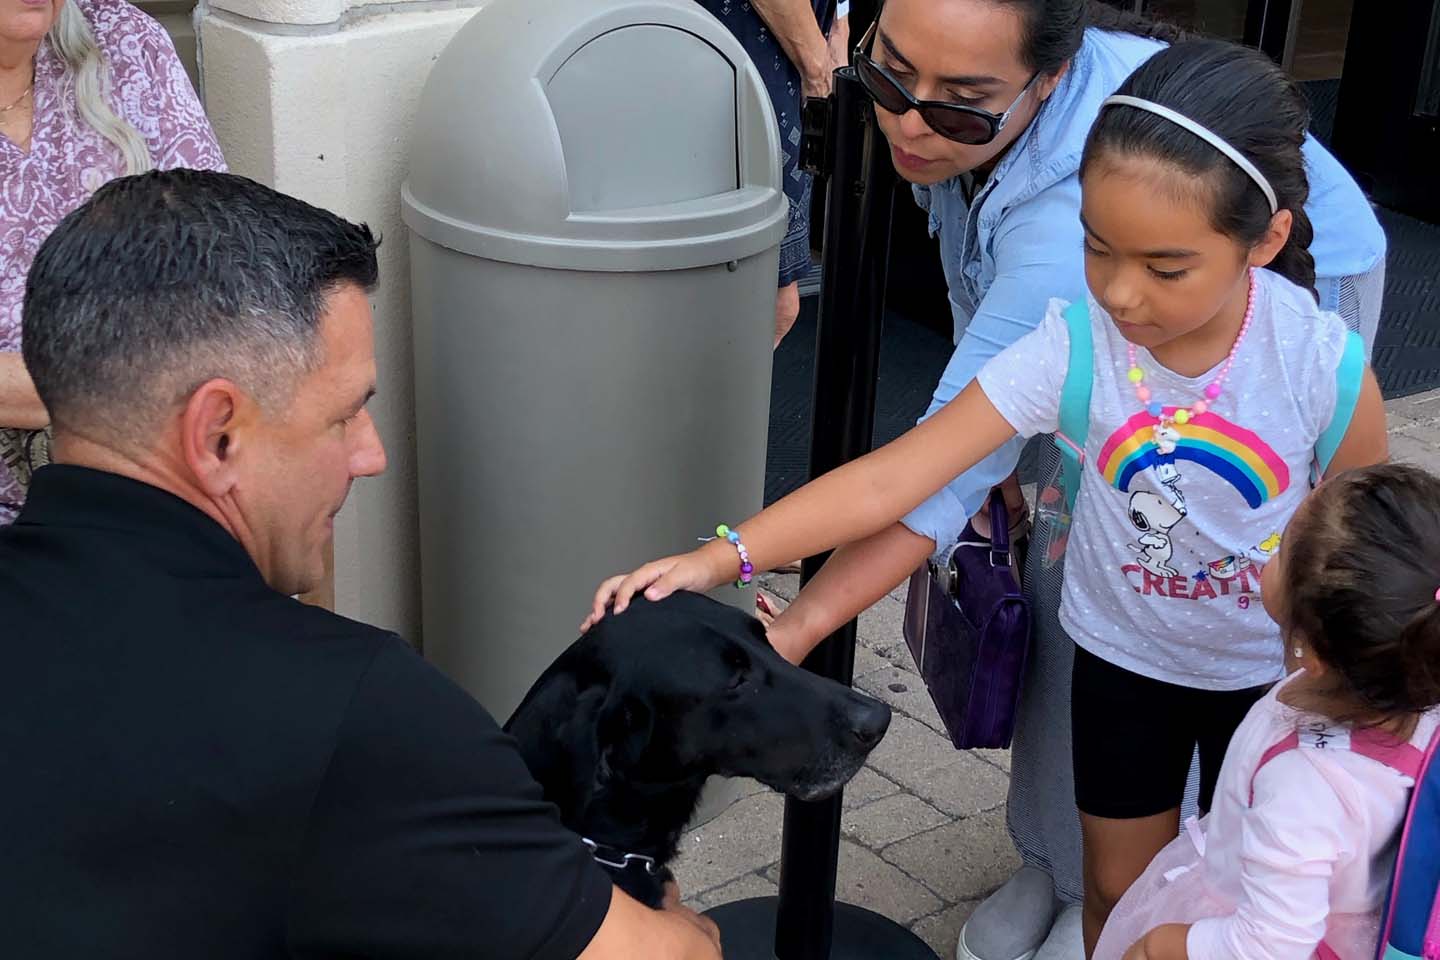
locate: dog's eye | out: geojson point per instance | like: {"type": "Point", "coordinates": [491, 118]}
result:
{"type": "Point", "coordinates": [739, 666]}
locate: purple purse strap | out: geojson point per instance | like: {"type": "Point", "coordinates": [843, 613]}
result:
{"type": "Point", "coordinates": [999, 530]}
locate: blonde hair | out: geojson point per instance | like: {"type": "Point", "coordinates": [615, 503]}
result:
{"type": "Point", "coordinates": [75, 43]}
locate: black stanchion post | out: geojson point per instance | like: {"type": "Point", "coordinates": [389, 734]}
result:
{"type": "Point", "coordinates": [853, 163]}
{"type": "Point", "coordinates": [847, 356]}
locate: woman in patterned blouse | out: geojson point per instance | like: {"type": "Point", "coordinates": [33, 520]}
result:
{"type": "Point", "coordinates": [90, 90]}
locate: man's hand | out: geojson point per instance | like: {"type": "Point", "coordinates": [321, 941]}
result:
{"type": "Point", "coordinates": [672, 904]}
{"type": "Point", "coordinates": [632, 931]}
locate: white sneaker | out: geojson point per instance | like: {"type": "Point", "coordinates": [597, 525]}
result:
{"type": "Point", "coordinates": [1067, 937]}
{"type": "Point", "coordinates": [1013, 922]}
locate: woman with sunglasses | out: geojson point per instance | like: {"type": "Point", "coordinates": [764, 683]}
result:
{"type": "Point", "coordinates": [986, 105]}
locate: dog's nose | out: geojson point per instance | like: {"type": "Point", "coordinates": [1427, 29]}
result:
{"type": "Point", "coordinates": [869, 719]}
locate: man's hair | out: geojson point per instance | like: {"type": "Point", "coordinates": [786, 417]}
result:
{"type": "Point", "coordinates": [165, 280]}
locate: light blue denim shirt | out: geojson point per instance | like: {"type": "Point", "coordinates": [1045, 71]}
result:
{"type": "Point", "coordinates": [1019, 244]}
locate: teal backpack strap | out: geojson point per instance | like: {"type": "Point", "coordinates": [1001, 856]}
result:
{"type": "Point", "coordinates": [1075, 398]}
{"type": "Point", "coordinates": [1349, 378]}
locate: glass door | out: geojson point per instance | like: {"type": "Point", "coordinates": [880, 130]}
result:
{"type": "Point", "coordinates": [1215, 18]}
{"type": "Point", "coordinates": [1387, 125]}
{"type": "Point", "coordinates": [1370, 71]}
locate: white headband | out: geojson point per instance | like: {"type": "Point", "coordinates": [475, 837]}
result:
{"type": "Point", "coordinates": [1179, 119]}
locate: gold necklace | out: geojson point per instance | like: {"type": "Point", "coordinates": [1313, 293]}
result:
{"type": "Point", "coordinates": [19, 100]}
{"type": "Point", "coordinates": [23, 94]}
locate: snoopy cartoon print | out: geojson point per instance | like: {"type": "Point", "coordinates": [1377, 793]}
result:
{"type": "Point", "coordinates": [1155, 517]}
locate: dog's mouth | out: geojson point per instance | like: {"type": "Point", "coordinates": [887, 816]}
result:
{"type": "Point", "coordinates": [830, 764]}
{"type": "Point", "coordinates": [819, 791]}
{"type": "Point", "coordinates": [821, 779]}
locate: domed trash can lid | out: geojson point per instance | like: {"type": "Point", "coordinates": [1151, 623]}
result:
{"type": "Point", "coordinates": [611, 135]}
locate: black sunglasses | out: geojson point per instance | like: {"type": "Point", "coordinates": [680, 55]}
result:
{"type": "Point", "coordinates": [953, 121]}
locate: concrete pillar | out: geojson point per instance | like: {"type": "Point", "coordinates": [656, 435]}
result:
{"type": "Point", "coordinates": [315, 98]}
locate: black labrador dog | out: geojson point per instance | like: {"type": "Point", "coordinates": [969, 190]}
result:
{"type": "Point", "coordinates": [626, 725]}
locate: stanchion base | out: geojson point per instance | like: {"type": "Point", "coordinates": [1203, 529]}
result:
{"type": "Point", "coordinates": [747, 932]}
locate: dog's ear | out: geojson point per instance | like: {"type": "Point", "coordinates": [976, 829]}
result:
{"type": "Point", "coordinates": [622, 732]}
{"type": "Point", "coordinates": [555, 729]}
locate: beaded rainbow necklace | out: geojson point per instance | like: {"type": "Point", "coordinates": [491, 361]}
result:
{"type": "Point", "coordinates": [1165, 437]}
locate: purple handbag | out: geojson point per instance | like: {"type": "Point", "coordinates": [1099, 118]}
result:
{"type": "Point", "coordinates": [968, 628]}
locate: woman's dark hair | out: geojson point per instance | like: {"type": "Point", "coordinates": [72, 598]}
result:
{"type": "Point", "coordinates": [1245, 99]}
{"type": "Point", "coordinates": [1054, 29]}
{"type": "Point", "coordinates": [1361, 570]}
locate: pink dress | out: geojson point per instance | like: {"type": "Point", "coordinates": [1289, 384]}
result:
{"type": "Point", "coordinates": [68, 160]}
{"type": "Point", "coordinates": [1294, 860]}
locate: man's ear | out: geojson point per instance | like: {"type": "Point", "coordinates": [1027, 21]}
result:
{"type": "Point", "coordinates": [209, 434]}
{"type": "Point", "coordinates": [622, 733]}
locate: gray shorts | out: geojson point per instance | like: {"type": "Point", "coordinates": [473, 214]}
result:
{"type": "Point", "coordinates": [1358, 299]}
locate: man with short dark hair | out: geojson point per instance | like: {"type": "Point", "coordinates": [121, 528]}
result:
{"type": "Point", "coordinates": [195, 764]}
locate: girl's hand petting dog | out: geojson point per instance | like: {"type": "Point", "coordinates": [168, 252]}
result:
{"type": "Point", "coordinates": [699, 571]}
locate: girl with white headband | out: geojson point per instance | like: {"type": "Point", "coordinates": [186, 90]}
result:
{"type": "Point", "coordinates": [1215, 378]}
{"type": "Point", "coordinates": [985, 106]}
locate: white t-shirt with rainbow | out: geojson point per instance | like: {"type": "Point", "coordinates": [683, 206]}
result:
{"type": "Point", "coordinates": [1162, 570]}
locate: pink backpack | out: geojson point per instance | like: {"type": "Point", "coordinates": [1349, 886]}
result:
{"type": "Point", "coordinates": [1410, 929]}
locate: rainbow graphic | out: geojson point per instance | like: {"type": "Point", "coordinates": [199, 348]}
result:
{"type": "Point", "coordinates": [1228, 451]}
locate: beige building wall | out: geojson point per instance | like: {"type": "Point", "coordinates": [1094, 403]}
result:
{"type": "Point", "coordinates": [314, 97]}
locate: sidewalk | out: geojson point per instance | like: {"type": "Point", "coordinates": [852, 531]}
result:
{"type": "Point", "coordinates": [923, 839]}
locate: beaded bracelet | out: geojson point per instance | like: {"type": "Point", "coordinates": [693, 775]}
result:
{"type": "Point", "coordinates": [747, 570]}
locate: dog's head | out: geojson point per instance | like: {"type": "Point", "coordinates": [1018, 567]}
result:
{"type": "Point", "coordinates": [678, 690]}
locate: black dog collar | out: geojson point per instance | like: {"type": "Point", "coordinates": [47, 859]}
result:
{"type": "Point", "coordinates": [618, 859]}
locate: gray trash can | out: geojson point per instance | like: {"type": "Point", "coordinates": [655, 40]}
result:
{"type": "Point", "coordinates": [595, 210]}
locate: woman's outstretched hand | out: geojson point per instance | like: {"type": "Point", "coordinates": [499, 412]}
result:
{"type": "Point", "coordinates": [698, 570]}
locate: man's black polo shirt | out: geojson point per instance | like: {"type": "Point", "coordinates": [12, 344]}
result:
{"type": "Point", "coordinates": [192, 765]}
